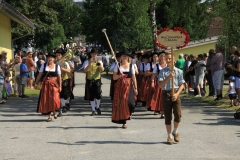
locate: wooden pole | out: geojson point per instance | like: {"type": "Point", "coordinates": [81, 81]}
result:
{"type": "Point", "coordinates": [172, 68]}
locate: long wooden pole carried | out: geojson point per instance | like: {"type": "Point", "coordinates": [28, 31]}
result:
{"type": "Point", "coordinates": [172, 68]}
{"type": "Point", "coordinates": [104, 31]}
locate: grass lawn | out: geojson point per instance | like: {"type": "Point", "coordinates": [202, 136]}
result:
{"type": "Point", "coordinates": [223, 103]}
{"type": "Point", "coordinates": [32, 92]}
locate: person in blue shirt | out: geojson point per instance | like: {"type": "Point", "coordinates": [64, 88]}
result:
{"type": "Point", "coordinates": [23, 77]}
{"type": "Point", "coordinates": [171, 102]}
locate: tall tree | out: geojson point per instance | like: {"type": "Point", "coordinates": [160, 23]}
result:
{"type": "Point", "coordinates": [228, 11]}
{"type": "Point", "coordinates": [127, 23]}
{"type": "Point", "coordinates": [152, 14]}
{"type": "Point", "coordinates": [188, 14]}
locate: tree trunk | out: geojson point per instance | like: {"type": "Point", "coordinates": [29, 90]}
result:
{"type": "Point", "coordinates": [153, 24]}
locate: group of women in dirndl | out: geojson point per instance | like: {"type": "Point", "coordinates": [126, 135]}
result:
{"type": "Point", "coordinates": [132, 83]}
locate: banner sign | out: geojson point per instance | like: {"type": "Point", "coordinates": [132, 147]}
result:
{"type": "Point", "coordinates": [176, 37]}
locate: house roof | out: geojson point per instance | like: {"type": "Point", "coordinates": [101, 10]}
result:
{"type": "Point", "coordinates": [14, 15]}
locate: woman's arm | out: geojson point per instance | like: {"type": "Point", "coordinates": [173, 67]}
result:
{"type": "Point", "coordinates": [134, 84]}
{"type": "Point", "coordinates": [233, 68]}
{"type": "Point", "coordinates": [38, 78]}
{"type": "Point", "coordinates": [60, 82]}
{"type": "Point", "coordinates": [154, 75]}
{"type": "Point", "coordinates": [147, 73]}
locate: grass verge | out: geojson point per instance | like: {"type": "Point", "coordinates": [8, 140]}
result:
{"type": "Point", "coordinates": [223, 103]}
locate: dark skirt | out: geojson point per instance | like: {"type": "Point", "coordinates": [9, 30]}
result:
{"type": "Point", "coordinates": [149, 91]}
{"type": "Point", "coordinates": [156, 102]}
{"type": "Point", "coordinates": [142, 89]}
{"type": "Point", "coordinates": [123, 102]}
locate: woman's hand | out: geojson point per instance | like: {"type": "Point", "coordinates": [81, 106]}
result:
{"type": "Point", "coordinates": [35, 86]}
{"type": "Point", "coordinates": [135, 91]}
{"type": "Point", "coordinates": [60, 89]}
{"type": "Point", "coordinates": [152, 84]}
{"type": "Point", "coordinates": [229, 66]}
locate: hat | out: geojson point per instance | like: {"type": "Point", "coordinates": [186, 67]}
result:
{"type": "Point", "coordinates": [118, 55]}
{"type": "Point", "coordinates": [133, 53]}
{"type": "Point", "coordinates": [52, 54]}
{"type": "Point", "coordinates": [232, 78]}
{"type": "Point", "coordinates": [125, 52]}
{"type": "Point", "coordinates": [146, 55]}
{"type": "Point", "coordinates": [162, 52]}
{"type": "Point", "coordinates": [157, 53]}
{"type": "Point", "coordinates": [60, 50]}
{"type": "Point", "coordinates": [4, 52]}
{"type": "Point", "coordinates": [94, 50]}
{"type": "Point", "coordinates": [24, 58]}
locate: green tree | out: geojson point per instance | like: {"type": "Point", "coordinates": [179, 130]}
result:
{"type": "Point", "coordinates": [69, 16]}
{"type": "Point", "coordinates": [127, 23]}
{"type": "Point", "coordinates": [42, 15]}
{"type": "Point", "coordinates": [187, 14]}
{"type": "Point", "coordinates": [228, 11]}
{"type": "Point", "coordinates": [58, 37]}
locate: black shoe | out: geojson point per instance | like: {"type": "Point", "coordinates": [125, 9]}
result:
{"type": "Point", "coordinates": [68, 106]}
{"type": "Point", "coordinates": [59, 114]}
{"type": "Point", "coordinates": [93, 113]}
{"type": "Point", "coordinates": [202, 92]}
{"type": "Point", "coordinates": [217, 99]}
{"type": "Point", "coordinates": [64, 110]}
{"type": "Point", "coordinates": [143, 104]}
{"type": "Point", "coordinates": [24, 96]}
{"type": "Point", "coordinates": [195, 92]}
{"type": "Point", "coordinates": [98, 111]}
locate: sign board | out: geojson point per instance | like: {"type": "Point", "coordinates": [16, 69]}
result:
{"type": "Point", "coordinates": [176, 37]}
{"type": "Point", "coordinates": [171, 38]}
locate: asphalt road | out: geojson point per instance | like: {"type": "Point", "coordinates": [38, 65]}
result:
{"type": "Point", "coordinates": [206, 132]}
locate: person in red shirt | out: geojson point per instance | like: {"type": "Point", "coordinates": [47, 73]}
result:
{"type": "Point", "coordinates": [31, 68]}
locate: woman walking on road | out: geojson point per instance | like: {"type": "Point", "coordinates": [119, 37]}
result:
{"type": "Point", "coordinates": [156, 101]}
{"type": "Point", "coordinates": [125, 89]}
{"type": "Point", "coordinates": [49, 98]}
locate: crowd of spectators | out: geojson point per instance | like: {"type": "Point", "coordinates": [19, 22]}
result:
{"type": "Point", "coordinates": [210, 69]}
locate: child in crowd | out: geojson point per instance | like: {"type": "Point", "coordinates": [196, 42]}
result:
{"type": "Point", "coordinates": [231, 91]}
{"type": "Point", "coordinates": [8, 86]}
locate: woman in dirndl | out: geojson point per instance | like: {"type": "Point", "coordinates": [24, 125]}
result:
{"type": "Point", "coordinates": [156, 101]}
{"type": "Point", "coordinates": [148, 73]}
{"type": "Point", "coordinates": [124, 91]}
{"type": "Point", "coordinates": [49, 98]}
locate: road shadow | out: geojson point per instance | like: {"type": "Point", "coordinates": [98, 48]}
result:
{"type": "Point", "coordinates": [108, 142]}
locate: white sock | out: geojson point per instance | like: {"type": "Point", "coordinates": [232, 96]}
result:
{"type": "Point", "coordinates": [98, 102]}
{"type": "Point", "coordinates": [93, 105]}
{"type": "Point", "coordinates": [170, 135]}
{"type": "Point", "coordinates": [63, 101]}
{"type": "Point", "coordinates": [175, 130]}
{"type": "Point", "coordinates": [68, 100]}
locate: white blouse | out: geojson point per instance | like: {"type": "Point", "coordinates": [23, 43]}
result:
{"type": "Point", "coordinates": [159, 67]}
{"type": "Point", "coordinates": [123, 69]}
{"type": "Point", "coordinates": [52, 70]}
